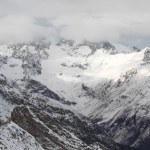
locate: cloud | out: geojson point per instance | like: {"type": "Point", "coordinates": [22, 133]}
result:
{"type": "Point", "coordinates": [94, 20]}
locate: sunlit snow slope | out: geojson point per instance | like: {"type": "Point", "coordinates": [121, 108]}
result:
{"type": "Point", "coordinates": [106, 83]}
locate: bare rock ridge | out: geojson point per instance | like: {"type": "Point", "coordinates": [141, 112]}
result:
{"type": "Point", "coordinates": [147, 55]}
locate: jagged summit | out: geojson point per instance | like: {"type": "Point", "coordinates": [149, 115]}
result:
{"type": "Point", "coordinates": [147, 54]}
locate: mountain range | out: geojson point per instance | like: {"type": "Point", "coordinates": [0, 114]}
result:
{"type": "Point", "coordinates": [74, 96]}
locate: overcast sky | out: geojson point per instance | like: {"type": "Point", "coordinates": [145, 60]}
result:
{"type": "Point", "coordinates": [126, 21]}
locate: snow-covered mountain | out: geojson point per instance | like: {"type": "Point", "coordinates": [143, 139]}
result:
{"type": "Point", "coordinates": [74, 96]}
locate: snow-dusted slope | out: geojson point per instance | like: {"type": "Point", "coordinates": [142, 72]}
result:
{"type": "Point", "coordinates": [88, 87]}
{"type": "Point", "coordinates": [13, 137]}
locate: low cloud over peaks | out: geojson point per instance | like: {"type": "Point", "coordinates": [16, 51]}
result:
{"type": "Point", "coordinates": [94, 20]}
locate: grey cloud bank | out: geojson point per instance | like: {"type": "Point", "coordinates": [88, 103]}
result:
{"type": "Point", "coordinates": [95, 20]}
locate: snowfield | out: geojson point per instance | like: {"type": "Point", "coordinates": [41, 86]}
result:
{"type": "Point", "coordinates": [109, 84]}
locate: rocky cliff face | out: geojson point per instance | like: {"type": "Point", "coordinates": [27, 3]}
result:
{"type": "Point", "coordinates": [74, 96]}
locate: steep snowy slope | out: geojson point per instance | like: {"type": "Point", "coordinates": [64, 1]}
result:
{"type": "Point", "coordinates": [34, 117]}
{"type": "Point", "coordinates": [75, 92]}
